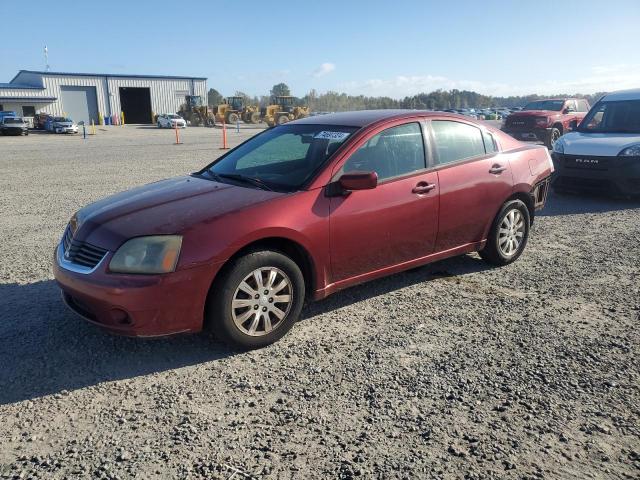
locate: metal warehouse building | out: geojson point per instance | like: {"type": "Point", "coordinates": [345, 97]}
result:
{"type": "Point", "coordinates": [89, 96]}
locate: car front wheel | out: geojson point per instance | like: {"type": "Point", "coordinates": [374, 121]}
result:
{"type": "Point", "coordinates": [256, 300]}
{"type": "Point", "coordinates": [509, 234]}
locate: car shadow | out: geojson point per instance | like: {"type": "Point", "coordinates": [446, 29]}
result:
{"type": "Point", "coordinates": [581, 202]}
{"type": "Point", "coordinates": [45, 349]}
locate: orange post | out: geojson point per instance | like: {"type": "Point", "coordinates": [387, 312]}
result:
{"type": "Point", "coordinates": [177, 136]}
{"type": "Point", "coordinates": [224, 136]}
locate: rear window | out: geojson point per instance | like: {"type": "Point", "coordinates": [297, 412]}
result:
{"type": "Point", "coordinates": [456, 141]}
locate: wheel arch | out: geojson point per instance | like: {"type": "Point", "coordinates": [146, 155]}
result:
{"type": "Point", "coordinates": [559, 126]}
{"type": "Point", "coordinates": [527, 199]}
{"type": "Point", "coordinates": [287, 246]}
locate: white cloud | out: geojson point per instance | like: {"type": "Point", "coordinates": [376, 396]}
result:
{"type": "Point", "coordinates": [600, 78]}
{"type": "Point", "coordinates": [323, 70]}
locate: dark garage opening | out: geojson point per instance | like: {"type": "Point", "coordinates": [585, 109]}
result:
{"type": "Point", "coordinates": [136, 104]}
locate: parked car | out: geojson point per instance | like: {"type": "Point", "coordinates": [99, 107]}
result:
{"type": "Point", "coordinates": [13, 126]}
{"type": "Point", "coordinates": [7, 113]}
{"type": "Point", "coordinates": [170, 120]}
{"type": "Point", "coordinates": [299, 211]}
{"type": "Point", "coordinates": [546, 120]}
{"type": "Point", "coordinates": [603, 153]}
{"type": "Point", "coordinates": [61, 125]}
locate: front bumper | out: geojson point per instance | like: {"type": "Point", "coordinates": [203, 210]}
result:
{"type": "Point", "coordinates": [66, 130]}
{"type": "Point", "coordinates": [137, 305]}
{"type": "Point", "coordinates": [618, 175]}
{"type": "Point", "coordinates": [529, 134]}
{"type": "Point", "coordinates": [14, 130]}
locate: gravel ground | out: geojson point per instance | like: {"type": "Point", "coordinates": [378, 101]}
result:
{"type": "Point", "coordinates": [454, 370]}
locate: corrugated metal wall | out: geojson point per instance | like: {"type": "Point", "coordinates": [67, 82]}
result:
{"type": "Point", "coordinates": [167, 94]}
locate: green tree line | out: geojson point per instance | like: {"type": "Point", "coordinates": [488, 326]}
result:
{"type": "Point", "coordinates": [436, 100]}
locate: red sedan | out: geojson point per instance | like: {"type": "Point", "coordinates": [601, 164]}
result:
{"type": "Point", "coordinates": [299, 211]}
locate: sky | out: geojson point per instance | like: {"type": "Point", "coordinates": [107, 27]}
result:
{"type": "Point", "coordinates": [370, 47]}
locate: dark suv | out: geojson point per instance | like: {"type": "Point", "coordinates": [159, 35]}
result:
{"type": "Point", "coordinates": [546, 120]}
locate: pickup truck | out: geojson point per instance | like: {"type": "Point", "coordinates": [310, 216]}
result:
{"type": "Point", "coordinates": [546, 120]}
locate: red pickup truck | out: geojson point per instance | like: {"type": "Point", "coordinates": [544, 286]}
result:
{"type": "Point", "coordinates": [546, 120]}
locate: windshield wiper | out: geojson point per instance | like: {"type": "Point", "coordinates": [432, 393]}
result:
{"type": "Point", "coordinates": [256, 182]}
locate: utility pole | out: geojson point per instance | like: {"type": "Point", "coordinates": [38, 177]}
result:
{"type": "Point", "coordinates": [46, 59]}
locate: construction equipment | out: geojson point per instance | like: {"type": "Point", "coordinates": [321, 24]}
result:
{"type": "Point", "coordinates": [250, 114]}
{"type": "Point", "coordinates": [283, 110]}
{"type": "Point", "coordinates": [194, 112]}
{"type": "Point", "coordinates": [230, 110]}
{"type": "Point", "coordinates": [234, 109]}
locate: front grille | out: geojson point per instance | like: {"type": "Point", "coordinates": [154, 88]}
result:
{"type": "Point", "coordinates": [81, 253]}
{"type": "Point", "coordinates": [586, 162]}
{"type": "Point", "coordinates": [520, 122]}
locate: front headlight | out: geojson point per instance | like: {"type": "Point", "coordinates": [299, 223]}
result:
{"type": "Point", "coordinates": [154, 254]}
{"type": "Point", "coordinates": [558, 147]}
{"type": "Point", "coordinates": [542, 121]}
{"type": "Point", "coordinates": [632, 151]}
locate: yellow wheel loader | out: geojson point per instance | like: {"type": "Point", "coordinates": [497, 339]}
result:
{"type": "Point", "coordinates": [283, 110]}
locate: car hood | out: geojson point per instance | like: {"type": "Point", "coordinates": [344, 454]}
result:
{"type": "Point", "coordinates": [169, 206]}
{"type": "Point", "coordinates": [65, 124]}
{"type": "Point", "coordinates": [598, 144]}
{"type": "Point", "coordinates": [536, 113]}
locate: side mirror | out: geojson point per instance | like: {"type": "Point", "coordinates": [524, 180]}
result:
{"type": "Point", "coordinates": [568, 110]}
{"type": "Point", "coordinates": [81, 123]}
{"type": "Point", "coordinates": [352, 181]}
{"type": "Point", "coordinates": [359, 180]}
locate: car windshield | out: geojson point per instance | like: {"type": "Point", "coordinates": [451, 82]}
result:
{"type": "Point", "coordinates": [282, 158]}
{"type": "Point", "coordinates": [13, 120]}
{"type": "Point", "coordinates": [612, 117]}
{"type": "Point", "coordinates": [555, 105]}
{"type": "Point", "coordinates": [173, 116]}
{"type": "Point", "coordinates": [61, 119]}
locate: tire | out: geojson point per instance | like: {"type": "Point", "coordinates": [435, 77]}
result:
{"type": "Point", "coordinates": [254, 117]}
{"type": "Point", "coordinates": [554, 135]}
{"type": "Point", "coordinates": [234, 324]}
{"type": "Point", "coordinates": [282, 119]}
{"type": "Point", "coordinates": [159, 125]}
{"type": "Point", "coordinates": [501, 248]}
{"type": "Point", "coordinates": [232, 118]}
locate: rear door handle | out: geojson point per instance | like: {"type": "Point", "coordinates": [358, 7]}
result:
{"type": "Point", "coordinates": [497, 169]}
{"type": "Point", "coordinates": [423, 187]}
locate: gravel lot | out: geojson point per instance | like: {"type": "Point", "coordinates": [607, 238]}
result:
{"type": "Point", "coordinates": [454, 370]}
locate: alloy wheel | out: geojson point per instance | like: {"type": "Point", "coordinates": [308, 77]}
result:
{"type": "Point", "coordinates": [262, 301]}
{"type": "Point", "coordinates": [511, 234]}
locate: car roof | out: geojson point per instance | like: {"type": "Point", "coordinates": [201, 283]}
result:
{"type": "Point", "coordinates": [363, 118]}
{"type": "Point", "coordinates": [633, 94]}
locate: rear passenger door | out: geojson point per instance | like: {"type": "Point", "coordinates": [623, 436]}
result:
{"type": "Point", "coordinates": [474, 180]}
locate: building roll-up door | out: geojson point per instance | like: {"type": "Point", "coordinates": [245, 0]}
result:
{"type": "Point", "coordinates": [79, 103]}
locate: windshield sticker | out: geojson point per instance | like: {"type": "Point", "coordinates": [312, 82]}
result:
{"type": "Point", "coordinates": [332, 135]}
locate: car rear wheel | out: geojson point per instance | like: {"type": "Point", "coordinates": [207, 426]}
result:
{"type": "Point", "coordinates": [256, 300]}
{"type": "Point", "coordinates": [509, 234]}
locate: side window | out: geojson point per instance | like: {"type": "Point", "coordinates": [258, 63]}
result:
{"type": "Point", "coordinates": [391, 153]}
{"type": "Point", "coordinates": [489, 142]}
{"type": "Point", "coordinates": [571, 105]}
{"type": "Point", "coordinates": [583, 106]}
{"type": "Point", "coordinates": [456, 141]}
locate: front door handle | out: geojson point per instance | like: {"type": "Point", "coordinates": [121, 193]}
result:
{"type": "Point", "coordinates": [497, 169]}
{"type": "Point", "coordinates": [423, 187]}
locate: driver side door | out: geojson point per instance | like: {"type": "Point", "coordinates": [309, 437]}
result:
{"type": "Point", "coordinates": [393, 223]}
